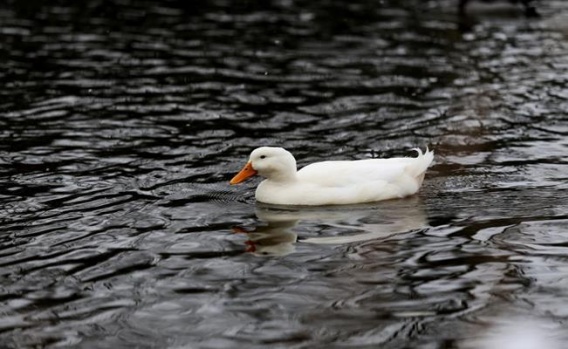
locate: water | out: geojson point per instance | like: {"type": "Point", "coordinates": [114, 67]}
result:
{"type": "Point", "coordinates": [123, 121]}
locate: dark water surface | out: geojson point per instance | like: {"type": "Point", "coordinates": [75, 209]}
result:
{"type": "Point", "coordinates": [122, 122]}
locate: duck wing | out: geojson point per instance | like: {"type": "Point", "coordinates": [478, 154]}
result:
{"type": "Point", "coordinates": [345, 173]}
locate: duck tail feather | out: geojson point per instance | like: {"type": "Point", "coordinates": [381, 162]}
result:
{"type": "Point", "coordinates": [423, 161]}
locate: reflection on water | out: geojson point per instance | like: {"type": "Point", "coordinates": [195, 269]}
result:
{"type": "Point", "coordinates": [277, 231]}
{"type": "Point", "coordinates": [122, 122]}
{"type": "Point", "coordinates": [516, 333]}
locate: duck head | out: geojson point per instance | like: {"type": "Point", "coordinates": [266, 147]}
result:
{"type": "Point", "coordinates": [269, 162]}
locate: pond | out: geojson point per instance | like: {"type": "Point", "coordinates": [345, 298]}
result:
{"type": "Point", "coordinates": [123, 121]}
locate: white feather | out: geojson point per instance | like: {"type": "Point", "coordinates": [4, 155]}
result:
{"type": "Point", "coordinates": [336, 182]}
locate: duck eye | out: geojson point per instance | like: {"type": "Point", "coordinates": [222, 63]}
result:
{"type": "Point", "coordinates": [263, 156]}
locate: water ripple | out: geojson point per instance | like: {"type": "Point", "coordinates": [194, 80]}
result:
{"type": "Point", "coordinates": [124, 121]}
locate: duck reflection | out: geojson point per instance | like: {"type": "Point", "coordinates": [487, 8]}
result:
{"type": "Point", "coordinates": [276, 232]}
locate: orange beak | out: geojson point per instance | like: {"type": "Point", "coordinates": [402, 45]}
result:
{"type": "Point", "coordinates": [245, 173]}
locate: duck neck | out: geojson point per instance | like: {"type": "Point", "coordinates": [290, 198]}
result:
{"type": "Point", "coordinates": [283, 176]}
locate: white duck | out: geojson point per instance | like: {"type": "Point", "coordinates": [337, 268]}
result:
{"type": "Point", "coordinates": [332, 182]}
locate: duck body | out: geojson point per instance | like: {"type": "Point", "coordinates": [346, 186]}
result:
{"type": "Point", "coordinates": [333, 182]}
